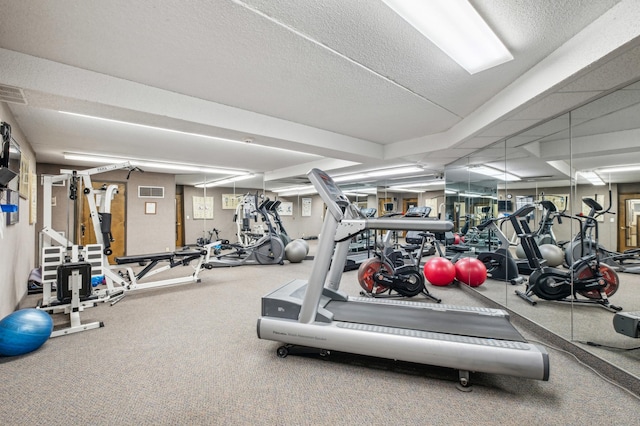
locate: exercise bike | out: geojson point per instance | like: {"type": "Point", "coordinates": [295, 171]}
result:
{"type": "Point", "coordinates": [587, 277]}
{"type": "Point", "coordinates": [392, 270]}
{"type": "Point", "coordinates": [222, 243]}
{"type": "Point", "coordinates": [586, 242]}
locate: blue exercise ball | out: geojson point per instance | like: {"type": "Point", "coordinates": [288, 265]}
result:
{"type": "Point", "coordinates": [24, 331]}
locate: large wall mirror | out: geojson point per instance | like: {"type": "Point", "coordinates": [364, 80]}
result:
{"type": "Point", "coordinates": [584, 162]}
{"type": "Point", "coordinates": [606, 163]}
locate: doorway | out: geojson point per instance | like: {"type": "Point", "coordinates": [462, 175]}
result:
{"type": "Point", "coordinates": [385, 206]}
{"type": "Point", "coordinates": [408, 203]}
{"type": "Point", "coordinates": [179, 220]}
{"type": "Point", "coordinates": [85, 231]}
{"type": "Point", "coordinates": [628, 216]}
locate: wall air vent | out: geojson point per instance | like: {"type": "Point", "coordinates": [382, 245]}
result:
{"type": "Point", "coordinates": [151, 192]}
{"type": "Point", "coordinates": [11, 94]}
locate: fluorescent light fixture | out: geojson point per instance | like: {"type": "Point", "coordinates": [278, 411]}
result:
{"type": "Point", "coordinates": [476, 195]}
{"type": "Point", "coordinates": [470, 195]}
{"type": "Point", "coordinates": [494, 173]}
{"type": "Point", "coordinates": [224, 181]}
{"type": "Point", "coordinates": [301, 190]}
{"type": "Point", "coordinates": [402, 170]}
{"type": "Point", "coordinates": [619, 169]}
{"type": "Point", "coordinates": [191, 168]}
{"type": "Point", "coordinates": [417, 184]}
{"type": "Point", "coordinates": [395, 171]}
{"type": "Point", "coordinates": [164, 129]}
{"type": "Point", "coordinates": [346, 178]}
{"type": "Point", "coordinates": [359, 176]}
{"type": "Point", "coordinates": [593, 178]}
{"type": "Point", "coordinates": [450, 191]}
{"type": "Point", "coordinates": [413, 191]}
{"type": "Point", "coordinates": [457, 29]}
{"type": "Point", "coordinates": [293, 188]}
{"type": "Point", "coordinates": [356, 194]}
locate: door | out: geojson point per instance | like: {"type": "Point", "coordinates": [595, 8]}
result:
{"type": "Point", "coordinates": [385, 205]}
{"type": "Point", "coordinates": [628, 216]}
{"type": "Point", "coordinates": [86, 232]}
{"type": "Point", "coordinates": [409, 202]}
{"type": "Point", "coordinates": [179, 218]}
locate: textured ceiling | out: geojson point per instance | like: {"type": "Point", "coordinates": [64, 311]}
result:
{"type": "Point", "coordinates": [345, 85]}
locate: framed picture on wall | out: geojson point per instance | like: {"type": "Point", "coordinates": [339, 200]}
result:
{"type": "Point", "coordinates": [231, 201]}
{"type": "Point", "coordinates": [203, 207]}
{"type": "Point", "coordinates": [433, 203]}
{"type": "Point", "coordinates": [560, 201]}
{"type": "Point", "coordinates": [149, 207]}
{"type": "Point", "coordinates": [306, 207]}
{"type": "Point", "coordinates": [285, 208]}
{"type": "Point", "coordinates": [33, 199]}
{"type": "Point", "coordinates": [25, 176]}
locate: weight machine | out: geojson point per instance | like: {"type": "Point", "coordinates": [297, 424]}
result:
{"type": "Point", "coordinates": [61, 253]}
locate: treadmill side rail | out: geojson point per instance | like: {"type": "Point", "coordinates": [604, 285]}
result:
{"type": "Point", "coordinates": [494, 356]}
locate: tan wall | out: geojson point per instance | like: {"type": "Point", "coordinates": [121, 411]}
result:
{"type": "Point", "coordinates": [296, 225]}
{"type": "Point", "coordinates": [144, 233]}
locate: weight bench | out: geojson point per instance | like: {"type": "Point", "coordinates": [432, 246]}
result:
{"type": "Point", "coordinates": [151, 262]}
{"type": "Point", "coordinates": [176, 258]}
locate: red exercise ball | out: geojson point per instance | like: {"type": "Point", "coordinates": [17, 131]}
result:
{"type": "Point", "coordinates": [439, 271]}
{"type": "Point", "coordinates": [471, 271]}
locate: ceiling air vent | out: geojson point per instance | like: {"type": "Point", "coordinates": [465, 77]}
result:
{"type": "Point", "coordinates": [151, 192]}
{"type": "Point", "coordinates": [12, 94]}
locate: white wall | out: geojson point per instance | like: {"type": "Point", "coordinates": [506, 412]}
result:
{"type": "Point", "coordinates": [16, 241]}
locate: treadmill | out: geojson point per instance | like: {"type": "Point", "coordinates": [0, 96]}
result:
{"type": "Point", "coordinates": [314, 314]}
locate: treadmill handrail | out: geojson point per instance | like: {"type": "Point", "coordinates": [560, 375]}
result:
{"type": "Point", "coordinates": [348, 228]}
{"type": "Point", "coordinates": [404, 224]}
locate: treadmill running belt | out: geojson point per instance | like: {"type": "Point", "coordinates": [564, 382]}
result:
{"type": "Point", "coordinates": [448, 322]}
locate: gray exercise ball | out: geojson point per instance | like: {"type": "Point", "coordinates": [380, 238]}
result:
{"type": "Point", "coordinates": [520, 254]}
{"type": "Point", "coordinates": [553, 254]}
{"type": "Point", "coordinates": [305, 244]}
{"type": "Point", "coordinates": [295, 252]}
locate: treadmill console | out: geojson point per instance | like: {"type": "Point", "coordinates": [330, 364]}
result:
{"type": "Point", "coordinates": [332, 196]}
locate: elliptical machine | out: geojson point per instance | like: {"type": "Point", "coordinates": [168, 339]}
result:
{"type": "Point", "coordinates": [544, 234]}
{"type": "Point", "coordinates": [499, 263]}
{"type": "Point", "coordinates": [392, 270]}
{"type": "Point", "coordinates": [586, 276]}
{"type": "Point", "coordinates": [584, 242]}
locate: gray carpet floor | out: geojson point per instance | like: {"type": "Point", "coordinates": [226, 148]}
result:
{"type": "Point", "coordinates": [189, 354]}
